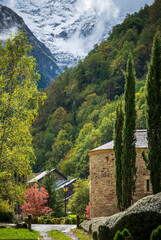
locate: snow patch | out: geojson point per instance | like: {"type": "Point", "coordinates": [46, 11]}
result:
{"type": "Point", "coordinates": [70, 28]}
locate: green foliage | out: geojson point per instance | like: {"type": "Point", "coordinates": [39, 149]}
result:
{"type": "Point", "coordinates": [156, 234]}
{"type": "Point", "coordinates": [129, 152]}
{"type": "Point", "coordinates": [140, 226]}
{"type": "Point", "coordinates": [125, 233]}
{"type": "Point", "coordinates": [79, 201]}
{"type": "Point", "coordinates": [153, 99]}
{"type": "Point", "coordinates": [6, 217]}
{"type": "Point", "coordinates": [82, 95]}
{"type": "Point", "coordinates": [19, 99]}
{"type": "Point", "coordinates": [122, 235]}
{"type": "Point", "coordinates": [119, 236]}
{"type": "Point", "coordinates": [118, 153]}
{"type": "Point", "coordinates": [54, 201]}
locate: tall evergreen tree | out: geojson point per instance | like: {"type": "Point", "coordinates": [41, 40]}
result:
{"type": "Point", "coordinates": [118, 153]}
{"type": "Point", "coordinates": [129, 152]}
{"type": "Point", "coordinates": [153, 100]}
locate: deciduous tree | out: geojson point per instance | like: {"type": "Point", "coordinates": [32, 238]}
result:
{"type": "Point", "coordinates": [18, 107]}
{"type": "Point", "coordinates": [78, 202]}
{"type": "Point", "coordinates": [35, 201]}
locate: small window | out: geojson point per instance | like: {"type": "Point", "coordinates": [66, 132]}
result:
{"type": "Point", "coordinates": [147, 185]}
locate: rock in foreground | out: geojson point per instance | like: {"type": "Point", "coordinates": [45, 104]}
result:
{"type": "Point", "coordinates": [140, 219]}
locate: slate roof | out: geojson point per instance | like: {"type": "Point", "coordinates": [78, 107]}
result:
{"type": "Point", "coordinates": [66, 183]}
{"type": "Point", "coordinates": [141, 141]}
{"type": "Point", "coordinates": [43, 174]}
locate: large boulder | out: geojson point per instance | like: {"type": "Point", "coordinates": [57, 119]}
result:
{"type": "Point", "coordinates": [140, 219]}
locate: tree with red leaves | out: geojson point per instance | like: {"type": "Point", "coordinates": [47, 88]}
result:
{"type": "Point", "coordinates": [35, 201]}
{"type": "Point", "coordinates": [87, 211]}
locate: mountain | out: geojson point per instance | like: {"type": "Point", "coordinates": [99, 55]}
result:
{"type": "Point", "coordinates": [70, 28]}
{"type": "Point", "coordinates": [10, 22]}
{"type": "Point", "coordinates": [79, 112]}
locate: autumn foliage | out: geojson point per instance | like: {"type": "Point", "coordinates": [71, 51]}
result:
{"type": "Point", "coordinates": [35, 201]}
{"type": "Point", "coordinates": [87, 211]}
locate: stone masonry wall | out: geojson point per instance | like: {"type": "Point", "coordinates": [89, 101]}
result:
{"type": "Point", "coordinates": [103, 199]}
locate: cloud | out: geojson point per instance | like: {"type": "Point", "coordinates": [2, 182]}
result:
{"type": "Point", "coordinates": [12, 3]}
{"type": "Point", "coordinates": [4, 35]}
{"type": "Point", "coordinates": [103, 13]}
{"type": "Point", "coordinates": [107, 13]}
{"type": "Point", "coordinates": [106, 7]}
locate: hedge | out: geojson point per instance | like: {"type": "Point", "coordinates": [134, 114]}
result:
{"type": "Point", "coordinates": [140, 225]}
{"type": "Point", "coordinates": [6, 217]}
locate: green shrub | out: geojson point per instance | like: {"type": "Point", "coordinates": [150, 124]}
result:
{"type": "Point", "coordinates": [55, 220]}
{"type": "Point", "coordinates": [6, 217]}
{"type": "Point", "coordinates": [34, 220]}
{"type": "Point", "coordinates": [74, 221]}
{"type": "Point", "coordinates": [140, 225]}
{"type": "Point", "coordinates": [125, 233]}
{"type": "Point", "coordinates": [119, 236]}
{"type": "Point", "coordinates": [156, 234]}
{"type": "Point", "coordinates": [48, 221]}
{"type": "Point", "coordinates": [25, 219]}
{"type": "Point", "coordinates": [40, 220]}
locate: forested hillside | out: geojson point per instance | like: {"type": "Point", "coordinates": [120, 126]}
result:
{"type": "Point", "coordinates": [79, 111]}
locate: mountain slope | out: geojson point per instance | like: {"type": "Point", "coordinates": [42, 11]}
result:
{"type": "Point", "coordinates": [79, 113]}
{"type": "Point", "coordinates": [70, 28]}
{"type": "Point", "coordinates": [10, 22]}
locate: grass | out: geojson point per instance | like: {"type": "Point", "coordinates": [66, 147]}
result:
{"type": "Point", "coordinates": [18, 234]}
{"type": "Point", "coordinates": [58, 235]}
{"type": "Point", "coordinates": [81, 234]}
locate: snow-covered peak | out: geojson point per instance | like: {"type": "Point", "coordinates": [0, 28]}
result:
{"type": "Point", "coordinates": [70, 28]}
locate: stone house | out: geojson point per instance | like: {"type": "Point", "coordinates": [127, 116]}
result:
{"type": "Point", "coordinates": [103, 200]}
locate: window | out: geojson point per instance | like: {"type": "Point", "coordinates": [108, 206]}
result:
{"type": "Point", "coordinates": [147, 185]}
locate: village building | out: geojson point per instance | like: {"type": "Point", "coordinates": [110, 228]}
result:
{"type": "Point", "coordinates": [103, 200]}
{"type": "Point", "coordinates": [39, 176]}
{"type": "Point", "coordinates": [61, 182]}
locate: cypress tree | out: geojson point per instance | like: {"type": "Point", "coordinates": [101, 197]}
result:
{"type": "Point", "coordinates": [118, 153]}
{"type": "Point", "coordinates": [129, 152]}
{"type": "Point", "coordinates": [153, 101]}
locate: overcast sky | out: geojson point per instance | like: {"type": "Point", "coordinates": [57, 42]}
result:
{"type": "Point", "coordinates": [114, 5]}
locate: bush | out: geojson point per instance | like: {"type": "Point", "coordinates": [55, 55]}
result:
{"type": "Point", "coordinates": [55, 220]}
{"type": "Point", "coordinates": [44, 219]}
{"type": "Point", "coordinates": [48, 221]}
{"type": "Point", "coordinates": [140, 226]}
{"type": "Point", "coordinates": [6, 217]}
{"type": "Point", "coordinates": [156, 234]}
{"type": "Point", "coordinates": [34, 220]}
{"type": "Point", "coordinates": [40, 220]}
{"type": "Point", "coordinates": [126, 233]}
{"type": "Point", "coordinates": [119, 236]}
{"type": "Point", "coordinates": [17, 219]}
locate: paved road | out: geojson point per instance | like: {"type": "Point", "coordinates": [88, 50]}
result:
{"type": "Point", "coordinates": [44, 228]}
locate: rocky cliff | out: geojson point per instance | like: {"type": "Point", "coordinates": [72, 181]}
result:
{"type": "Point", "coordinates": [10, 22]}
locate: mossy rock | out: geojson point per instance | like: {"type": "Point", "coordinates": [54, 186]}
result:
{"type": "Point", "coordinates": [140, 219]}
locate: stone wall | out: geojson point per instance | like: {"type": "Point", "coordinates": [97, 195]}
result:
{"type": "Point", "coordinates": [103, 199]}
